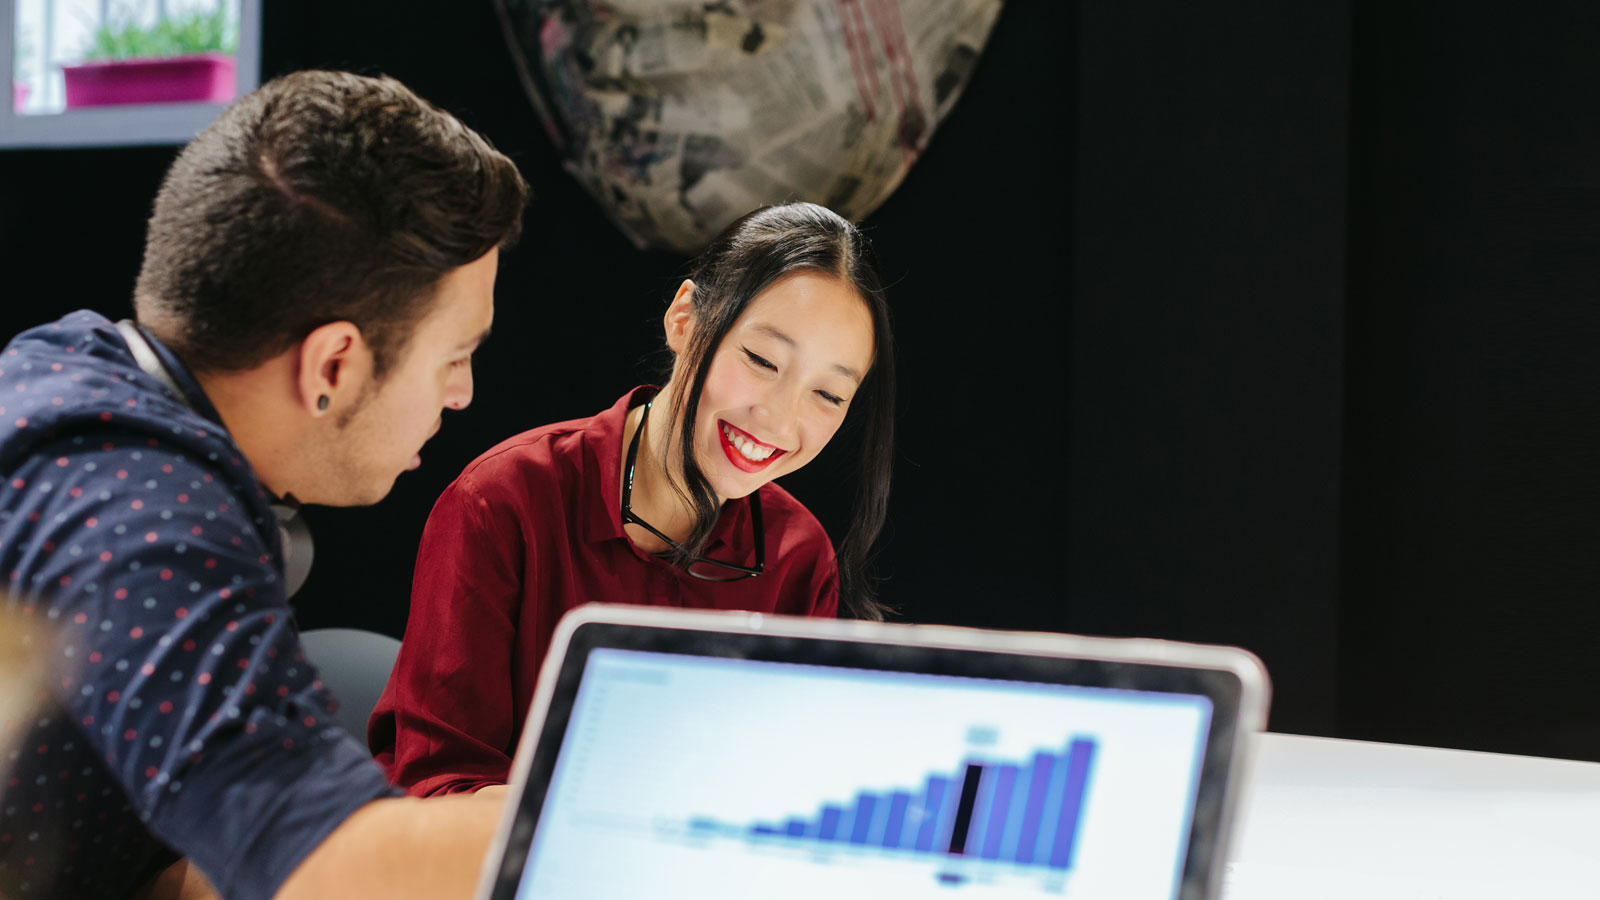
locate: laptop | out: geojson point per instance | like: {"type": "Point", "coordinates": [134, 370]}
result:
{"type": "Point", "coordinates": [698, 754]}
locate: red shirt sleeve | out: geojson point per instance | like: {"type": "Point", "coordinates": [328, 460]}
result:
{"type": "Point", "coordinates": [446, 723]}
{"type": "Point", "coordinates": [827, 605]}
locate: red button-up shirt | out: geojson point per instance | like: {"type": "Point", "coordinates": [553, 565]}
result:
{"type": "Point", "coordinates": [529, 530]}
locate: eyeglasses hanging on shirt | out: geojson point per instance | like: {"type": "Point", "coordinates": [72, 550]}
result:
{"type": "Point", "coordinates": [701, 567]}
{"type": "Point", "coordinates": [298, 548]}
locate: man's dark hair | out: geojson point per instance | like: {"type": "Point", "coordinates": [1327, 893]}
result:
{"type": "Point", "coordinates": [320, 197]}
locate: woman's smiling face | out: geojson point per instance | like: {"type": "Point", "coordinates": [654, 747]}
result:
{"type": "Point", "coordinates": [781, 381]}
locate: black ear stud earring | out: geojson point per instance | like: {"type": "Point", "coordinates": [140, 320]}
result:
{"type": "Point", "coordinates": [322, 402]}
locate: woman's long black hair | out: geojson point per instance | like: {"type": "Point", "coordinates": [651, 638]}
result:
{"type": "Point", "coordinates": [748, 257]}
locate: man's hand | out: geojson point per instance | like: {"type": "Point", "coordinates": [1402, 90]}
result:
{"type": "Point", "coordinates": [180, 881]}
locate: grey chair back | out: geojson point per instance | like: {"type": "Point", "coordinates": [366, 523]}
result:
{"type": "Point", "coordinates": [355, 665]}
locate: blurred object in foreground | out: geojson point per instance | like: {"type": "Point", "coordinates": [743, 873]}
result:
{"type": "Point", "coordinates": [21, 679]}
{"type": "Point", "coordinates": [680, 116]}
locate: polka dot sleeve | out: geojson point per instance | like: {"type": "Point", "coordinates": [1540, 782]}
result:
{"type": "Point", "coordinates": [181, 665]}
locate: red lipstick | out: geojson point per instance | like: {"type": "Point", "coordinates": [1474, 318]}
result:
{"type": "Point", "coordinates": [738, 459]}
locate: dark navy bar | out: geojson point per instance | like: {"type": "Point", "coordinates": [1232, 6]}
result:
{"type": "Point", "coordinates": [1038, 784]}
{"type": "Point", "coordinates": [980, 812]}
{"type": "Point", "coordinates": [1079, 757]}
{"type": "Point", "coordinates": [795, 828]}
{"type": "Point", "coordinates": [970, 781]}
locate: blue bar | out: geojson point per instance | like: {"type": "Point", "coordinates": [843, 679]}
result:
{"type": "Point", "coordinates": [931, 806]}
{"type": "Point", "coordinates": [1079, 758]}
{"type": "Point", "coordinates": [764, 829]}
{"type": "Point", "coordinates": [1038, 784]}
{"type": "Point", "coordinates": [847, 818]}
{"type": "Point", "coordinates": [830, 822]}
{"type": "Point", "coordinates": [898, 801]}
{"type": "Point", "coordinates": [876, 820]}
{"type": "Point", "coordinates": [703, 823]}
{"type": "Point", "coordinates": [1019, 804]}
{"type": "Point", "coordinates": [863, 820]}
{"type": "Point", "coordinates": [994, 828]}
{"type": "Point", "coordinates": [980, 812]}
{"type": "Point", "coordinates": [915, 814]}
{"type": "Point", "coordinates": [795, 828]}
{"type": "Point", "coordinates": [1051, 820]}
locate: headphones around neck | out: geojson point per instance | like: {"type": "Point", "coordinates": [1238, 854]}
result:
{"type": "Point", "coordinates": [298, 548]}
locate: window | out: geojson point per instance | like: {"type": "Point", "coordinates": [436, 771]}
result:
{"type": "Point", "coordinates": [103, 72]}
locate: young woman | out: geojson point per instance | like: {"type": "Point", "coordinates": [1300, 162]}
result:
{"type": "Point", "coordinates": [667, 498]}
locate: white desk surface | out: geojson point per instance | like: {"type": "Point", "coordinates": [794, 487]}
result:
{"type": "Point", "coordinates": [1325, 819]}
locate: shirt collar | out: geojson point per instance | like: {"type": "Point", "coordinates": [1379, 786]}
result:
{"type": "Point", "coordinates": [193, 394]}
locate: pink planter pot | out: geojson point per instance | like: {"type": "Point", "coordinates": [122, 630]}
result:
{"type": "Point", "coordinates": [19, 95]}
{"type": "Point", "coordinates": [203, 78]}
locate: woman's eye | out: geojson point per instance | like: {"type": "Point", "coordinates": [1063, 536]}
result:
{"type": "Point", "coordinates": [758, 361]}
{"type": "Point", "coordinates": [466, 361]}
{"type": "Point", "coordinates": [831, 398]}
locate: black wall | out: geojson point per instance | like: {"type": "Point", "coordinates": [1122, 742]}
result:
{"type": "Point", "coordinates": [1206, 345]}
{"type": "Point", "coordinates": [1264, 325]}
{"type": "Point", "coordinates": [1471, 478]}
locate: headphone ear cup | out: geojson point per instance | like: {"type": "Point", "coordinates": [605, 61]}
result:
{"type": "Point", "coordinates": [298, 549]}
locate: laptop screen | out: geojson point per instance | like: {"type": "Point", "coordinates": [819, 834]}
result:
{"type": "Point", "coordinates": [706, 776]}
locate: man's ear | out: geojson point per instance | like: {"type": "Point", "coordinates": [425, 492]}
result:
{"type": "Point", "coordinates": [679, 320]}
{"type": "Point", "coordinates": [336, 363]}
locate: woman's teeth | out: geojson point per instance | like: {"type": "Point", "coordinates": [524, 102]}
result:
{"type": "Point", "coordinates": [750, 451]}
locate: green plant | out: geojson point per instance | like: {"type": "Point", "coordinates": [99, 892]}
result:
{"type": "Point", "coordinates": [181, 35]}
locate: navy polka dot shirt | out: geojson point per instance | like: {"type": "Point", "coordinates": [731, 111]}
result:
{"type": "Point", "coordinates": [183, 718]}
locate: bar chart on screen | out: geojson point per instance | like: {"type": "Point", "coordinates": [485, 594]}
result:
{"type": "Point", "coordinates": [783, 781]}
{"type": "Point", "coordinates": [1019, 815]}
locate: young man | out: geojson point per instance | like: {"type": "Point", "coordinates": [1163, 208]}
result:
{"type": "Point", "coordinates": [318, 271]}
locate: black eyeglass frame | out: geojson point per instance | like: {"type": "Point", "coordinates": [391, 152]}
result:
{"type": "Point", "coordinates": [629, 517]}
